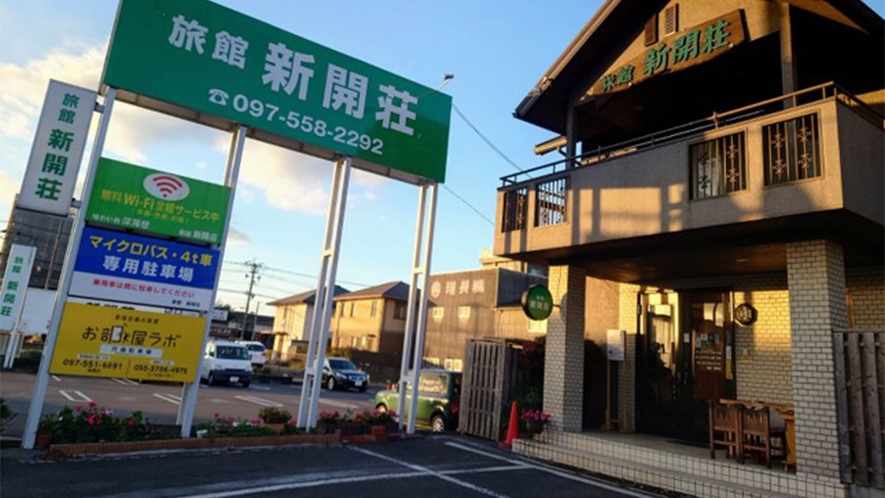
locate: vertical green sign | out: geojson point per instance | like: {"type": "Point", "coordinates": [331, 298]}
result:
{"type": "Point", "coordinates": [217, 61]}
{"type": "Point", "coordinates": [151, 201]}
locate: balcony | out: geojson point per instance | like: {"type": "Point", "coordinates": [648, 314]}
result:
{"type": "Point", "coordinates": [765, 173]}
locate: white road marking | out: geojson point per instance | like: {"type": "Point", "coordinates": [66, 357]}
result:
{"type": "Point", "coordinates": [125, 382]}
{"type": "Point", "coordinates": [310, 484]}
{"type": "Point", "coordinates": [259, 388]}
{"type": "Point", "coordinates": [56, 378]}
{"type": "Point", "coordinates": [440, 475]}
{"type": "Point", "coordinates": [170, 398]}
{"type": "Point", "coordinates": [260, 401]}
{"type": "Point", "coordinates": [549, 470]}
{"type": "Point", "coordinates": [127, 398]}
{"type": "Point", "coordinates": [80, 396]}
{"type": "Point", "coordinates": [338, 404]}
{"type": "Point", "coordinates": [218, 400]}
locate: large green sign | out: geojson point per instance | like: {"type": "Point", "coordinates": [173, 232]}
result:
{"type": "Point", "coordinates": [152, 201]}
{"type": "Point", "coordinates": [537, 302]}
{"type": "Point", "coordinates": [199, 55]}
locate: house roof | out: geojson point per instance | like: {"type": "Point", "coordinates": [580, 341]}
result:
{"type": "Point", "coordinates": [545, 103]}
{"type": "Point", "coordinates": [391, 290]}
{"type": "Point", "coordinates": [305, 297]}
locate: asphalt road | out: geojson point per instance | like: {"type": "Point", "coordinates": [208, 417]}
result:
{"type": "Point", "coordinates": [425, 466]}
{"type": "Point", "coordinates": [160, 401]}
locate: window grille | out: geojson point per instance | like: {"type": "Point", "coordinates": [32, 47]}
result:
{"type": "Point", "coordinates": [550, 198]}
{"type": "Point", "coordinates": [671, 19]}
{"type": "Point", "coordinates": [515, 209]}
{"type": "Point", "coordinates": [792, 150]}
{"type": "Point", "coordinates": [718, 166]}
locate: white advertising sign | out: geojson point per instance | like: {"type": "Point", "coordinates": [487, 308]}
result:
{"type": "Point", "coordinates": [219, 315]}
{"type": "Point", "coordinates": [130, 290]}
{"type": "Point", "coordinates": [614, 346]}
{"type": "Point", "coordinates": [57, 149]}
{"type": "Point", "coordinates": [15, 284]}
{"type": "Point", "coordinates": [37, 312]}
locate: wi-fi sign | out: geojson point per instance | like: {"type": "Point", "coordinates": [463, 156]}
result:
{"type": "Point", "coordinates": [167, 187]}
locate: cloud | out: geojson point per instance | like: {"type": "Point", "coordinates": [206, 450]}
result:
{"type": "Point", "coordinates": [24, 87]}
{"type": "Point", "coordinates": [8, 189]}
{"type": "Point", "coordinates": [131, 129]}
{"type": "Point", "coordinates": [237, 238]}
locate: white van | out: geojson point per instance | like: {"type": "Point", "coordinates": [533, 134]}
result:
{"type": "Point", "coordinates": [257, 350]}
{"type": "Point", "coordinates": [226, 361]}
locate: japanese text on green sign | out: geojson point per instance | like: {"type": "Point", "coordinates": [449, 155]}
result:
{"type": "Point", "coordinates": [252, 73]}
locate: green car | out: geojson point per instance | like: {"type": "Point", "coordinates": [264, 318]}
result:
{"type": "Point", "coordinates": [439, 395]}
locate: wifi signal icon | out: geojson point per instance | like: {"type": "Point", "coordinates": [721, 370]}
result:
{"type": "Point", "coordinates": [167, 187]}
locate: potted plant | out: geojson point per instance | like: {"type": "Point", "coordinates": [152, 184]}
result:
{"type": "Point", "coordinates": [329, 422]}
{"type": "Point", "coordinates": [274, 418]}
{"type": "Point", "coordinates": [535, 421]}
{"type": "Point", "coordinates": [45, 430]}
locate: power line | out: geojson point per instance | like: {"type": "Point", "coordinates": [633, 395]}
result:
{"type": "Point", "coordinates": [477, 211]}
{"type": "Point", "coordinates": [484, 138]}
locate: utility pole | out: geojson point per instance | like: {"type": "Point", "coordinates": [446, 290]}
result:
{"type": "Point", "coordinates": [252, 274]}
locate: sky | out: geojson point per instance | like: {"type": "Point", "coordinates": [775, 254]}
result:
{"type": "Point", "coordinates": [496, 49]}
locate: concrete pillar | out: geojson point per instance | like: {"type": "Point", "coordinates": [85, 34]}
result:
{"type": "Point", "coordinates": [564, 357]}
{"type": "Point", "coordinates": [816, 277]}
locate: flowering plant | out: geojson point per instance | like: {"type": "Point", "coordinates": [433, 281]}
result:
{"type": "Point", "coordinates": [221, 426]}
{"type": "Point", "coordinates": [535, 416]}
{"type": "Point", "coordinates": [92, 424]}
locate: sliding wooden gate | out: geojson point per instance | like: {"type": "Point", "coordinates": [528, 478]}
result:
{"type": "Point", "coordinates": [860, 396]}
{"type": "Point", "coordinates": [489, 381]}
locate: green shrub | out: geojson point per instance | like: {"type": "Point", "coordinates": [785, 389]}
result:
{"type": "Point", "coordinates": [7, 415]}
{"type": "Point", "coordinates": [273, 415]}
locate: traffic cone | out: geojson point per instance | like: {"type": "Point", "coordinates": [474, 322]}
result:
{"type": "Point", "coordinates": [513, 427]}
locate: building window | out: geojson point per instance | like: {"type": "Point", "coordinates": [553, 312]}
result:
{"type": "Point", "coordinates": [352, 306]}
{"type": "Point", "coordinates": [651, 31]}
{"type": "Point", "coordinates": [399, 311]}
{"type": "Point", "coordinates": [439, 312]}
{"type": "Point", "coordinates": [374, 309]}
{"type": "Point", "coordinates": [550, 198]}
{"type": "Point", "coordinates": [515, 209]}
{"type": "Point", "coordinates": [463, 311]}
{"type": "Point", "coordinates": [718, 166]}
{"type": "Point", "coordinates": [671, 20]}
{"type": "Point", "coordinates": [792, 150]}
{"type": "Point", "coordinates": [537, 326]}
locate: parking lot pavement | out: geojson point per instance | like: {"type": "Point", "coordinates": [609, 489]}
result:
{"type": "Point", "coordinates": [160, 401]}
{"type": "Point", "coordinates": [426, 466]}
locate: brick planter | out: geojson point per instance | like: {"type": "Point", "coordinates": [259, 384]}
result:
{"type": "Point", "coordinates": [194, 444]}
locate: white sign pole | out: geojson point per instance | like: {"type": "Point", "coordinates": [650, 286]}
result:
{"type": "Point", "coordinates": [231, 174]}
{"type": "Point", "coordinates": [36, 408]}
{"type": "Point", "coordinates": [322, 311]}
{"type": "Point", "coordinates": [421, 329]}
{"type": "Point", "coordinates": [406, 362]}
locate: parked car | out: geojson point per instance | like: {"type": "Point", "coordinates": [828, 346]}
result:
{"type": "Point", "coordinates": [226, 361]}
{"type": "Point", "coordinates": [341, 373]}
{"type": "Point", "coordinates": [258, 352]}
{"type": "Point", "coordinates": [439, 399]}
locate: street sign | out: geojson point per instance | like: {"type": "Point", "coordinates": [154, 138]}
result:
{"type": "Point", "coordinates": [537, 302]}
{"type": "Point", "coordinates": [58, 145]}
{"type": "Point", "coordinates": [147, 200]}
{"type": "Point", "coordinates": [15, 284]}
{"type": "Point", "coordinates": [109, 342]}
{"type": "Point", "coordinates": [119, 266]}
{"type": "Point", "coordinates": [216, 61]}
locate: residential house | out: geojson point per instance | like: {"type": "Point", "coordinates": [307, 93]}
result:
{"type": "Point", "coordinates": [291, 325]}
{"type": "Point", "coordinates": [371, 319]}
{"type": "Point", "coordinates": [723, 175]}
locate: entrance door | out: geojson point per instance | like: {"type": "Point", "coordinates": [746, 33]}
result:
{"type": "Point", "coordinates": [658, 410]}
{"type": "Point", "coordinates": [706, 367]}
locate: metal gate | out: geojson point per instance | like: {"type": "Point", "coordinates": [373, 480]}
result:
{"type": "Point", "coordinates": [489, 382]}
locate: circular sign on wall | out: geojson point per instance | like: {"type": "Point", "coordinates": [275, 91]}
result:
{"type": "Point", "coordinates": [745, 314]}
{"type": "Point", "coordinates": [537, 302]}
